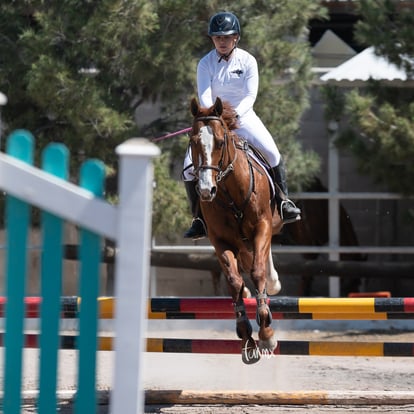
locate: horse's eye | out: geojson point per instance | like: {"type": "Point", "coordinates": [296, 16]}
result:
{"type": "Point", "coordinates": [220, 143]}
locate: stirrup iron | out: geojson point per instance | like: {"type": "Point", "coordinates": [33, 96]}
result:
{"type": "Point", "coordinates": [288, 220]}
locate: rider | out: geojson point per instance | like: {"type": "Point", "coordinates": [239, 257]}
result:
{"type": "Point", "coordinates": [231, 73]}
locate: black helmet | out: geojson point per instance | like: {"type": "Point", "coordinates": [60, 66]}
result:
{"type": "Point", "coordinates": [223, 24]}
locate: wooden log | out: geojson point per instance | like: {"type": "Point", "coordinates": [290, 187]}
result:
{"type": "Point", "coordinates": [300, 398]}
{"type": "Point", "coordinates": [208, 262]}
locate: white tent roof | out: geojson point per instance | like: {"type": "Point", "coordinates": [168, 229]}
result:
{"type": "Point", "coordinates": [364, 66]}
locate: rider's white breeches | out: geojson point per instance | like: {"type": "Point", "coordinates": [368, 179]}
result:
{"type": "Point", "coordinates": [253, 131]}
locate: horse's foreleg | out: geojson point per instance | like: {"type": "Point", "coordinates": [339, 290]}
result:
{"type": "Point", "coordinates": [267, 337]}
{"type": "Point", "coordinates": [250, 353]}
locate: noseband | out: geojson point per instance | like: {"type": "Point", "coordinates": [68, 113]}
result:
{"type": "Point", "coordinates": [220, 172]}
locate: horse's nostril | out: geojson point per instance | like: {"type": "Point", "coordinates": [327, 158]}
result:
{"type": "Point", "coordinates": [205, 194]}
{"type": "Point", "coordinates": [208, 194]}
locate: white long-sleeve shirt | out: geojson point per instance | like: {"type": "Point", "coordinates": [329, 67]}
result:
{"type": "Point", "coordinates": [235, 80]}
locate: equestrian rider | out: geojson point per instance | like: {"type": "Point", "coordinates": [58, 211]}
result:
{"type": "Point", "coordinates": [232, 74]}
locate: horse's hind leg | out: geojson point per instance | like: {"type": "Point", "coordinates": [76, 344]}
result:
{"type": "Point", "coordinates": [273, 285]}
{"type": "Point", "coordinates": [262, 261]}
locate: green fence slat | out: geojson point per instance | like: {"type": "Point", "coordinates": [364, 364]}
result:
{"type": "Point", "coordinates": [55, 160]}
{"type": "Point", "coordinates": [19, 145]}
{"type": "Point", "coordinates": [92, 179]}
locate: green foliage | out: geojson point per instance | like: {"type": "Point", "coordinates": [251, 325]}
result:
{"type": "Point", "coordinates": [335, 102]}
{"type": "Point", "coordinates": [76, 72]}
{"type": "Point", "coordinates": [384, 143]}
{"type": "Point", "coordinates": [387, 25]}
{"type": "Point", "coordinates": [170, 201]}
{"type": "Point", "coordinates": [379, 117]}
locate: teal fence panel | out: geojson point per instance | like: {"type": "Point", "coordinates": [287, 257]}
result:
{"type": "Point", "coordinates": [63, 201]}
{"type": "Point", "coordinates": [55, 160]}
{"type": "Point", "coordinates": [92, 179]}
{"type": "Point", "coordinates": [19, 145]}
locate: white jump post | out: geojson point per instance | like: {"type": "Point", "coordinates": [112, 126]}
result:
{"type": "Point", "coordinates": [132, 272]}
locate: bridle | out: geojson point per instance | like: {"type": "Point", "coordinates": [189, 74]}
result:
{"type": "Point", "coordinates": [238, 210]}
{"type": "Point", "coordinates": [219, 168]}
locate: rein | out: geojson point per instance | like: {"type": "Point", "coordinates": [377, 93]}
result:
{"type": "Point", "coordinates": [172, 134]}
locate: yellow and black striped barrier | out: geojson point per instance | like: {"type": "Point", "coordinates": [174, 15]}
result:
{"type": "Point", "coordinates": [222, 308]}
{"type": "Point", "coordinates": [285, 308]}
{"type": "Point", "coordinates": [232, 346]}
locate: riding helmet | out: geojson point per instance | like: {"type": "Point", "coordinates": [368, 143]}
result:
{"type": "Point", "coordinates": [223, 24]}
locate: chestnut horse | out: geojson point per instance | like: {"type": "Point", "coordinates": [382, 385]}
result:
{"type": "Point", "coordinates": [235, 200]}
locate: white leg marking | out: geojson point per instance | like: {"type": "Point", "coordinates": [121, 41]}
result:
{"type": "Point", "coordinates": [273, 285]}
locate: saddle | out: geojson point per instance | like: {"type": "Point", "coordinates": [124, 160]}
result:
{"type": "Point", "coordinates": [258, 157]}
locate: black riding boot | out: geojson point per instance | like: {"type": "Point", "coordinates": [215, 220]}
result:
{"type": "Point", "coordinates": [287, 209]}
{"type": "Point", "coordinates": [198, 228]}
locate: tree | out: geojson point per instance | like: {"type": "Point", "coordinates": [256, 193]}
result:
{"type": "Point", "coordinates": [387, 25]}
{"type": "Point", "coordinates": [381, 117]}
{"type": "Point", "coordinates": [76, 72]}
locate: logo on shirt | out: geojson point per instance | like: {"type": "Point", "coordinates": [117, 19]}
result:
{"type": "Point", "coordinates": [238, 72]}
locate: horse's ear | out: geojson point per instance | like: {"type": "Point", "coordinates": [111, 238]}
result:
{"type": "Point", "coordinates": [194, 107]}
{"type": "Point", "coordinates": [218, 106]}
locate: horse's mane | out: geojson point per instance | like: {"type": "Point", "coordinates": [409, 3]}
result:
{"type": "Point", "coordinates": [230, 116]}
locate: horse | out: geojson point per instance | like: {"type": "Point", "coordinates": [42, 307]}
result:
{"type": "Point", "coordinates": [237, 204]}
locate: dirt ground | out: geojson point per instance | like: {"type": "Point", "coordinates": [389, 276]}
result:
{"type": "Point", "coordinates": [258, 409]}
{"type": "Point", "coordinates": [283, 373]}
{"type": "Point", "coordinates": [253, 409]}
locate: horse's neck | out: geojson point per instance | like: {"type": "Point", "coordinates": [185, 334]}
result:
{"type": "Point", "coordinates": [237, 156]}
{"type": "Point", "coordinates": [233, 147]}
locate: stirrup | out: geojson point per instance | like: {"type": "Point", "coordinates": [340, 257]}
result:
{"type": "Point", "coordinates": [287, 220]}
{"type": "Point", "coordinates": [197, 230]}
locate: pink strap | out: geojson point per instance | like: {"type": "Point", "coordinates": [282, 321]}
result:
{"type": "Point", "coordinates": [172, 134]}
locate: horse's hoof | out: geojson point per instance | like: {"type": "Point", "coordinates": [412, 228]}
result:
{"type": "Point", "coordinates": [250, 352]}
{"type": "Point", "coordinates": [268, 346]}
{"type": "Point", "coordinates": [273, 288]}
